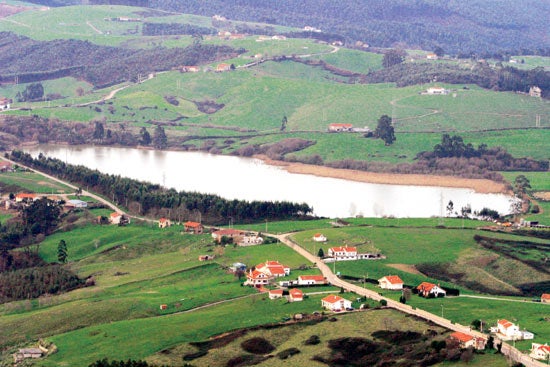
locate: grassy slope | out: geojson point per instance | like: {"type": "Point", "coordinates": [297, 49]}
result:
{"type": "Point", "coordinates": [33, 182]}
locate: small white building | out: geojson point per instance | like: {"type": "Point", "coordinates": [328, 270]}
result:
{"type": "Point", "coordinates": [437, 91]}
{"type": "Point", "coordinates": [508, 329]}
{"type": "Point", "coordinates": [5, 103]}
{"type": "Point", "coordinates": [76, 203]}
{"type": "Point", "coordinates": [25, 353]}
{"type": "Point", "coordinates": [311, 280]}
{"type": "Point", "coordinates": [540, 351]}
{"type": "Point", "coordinates": [392, 282]}
{"type": "Point", "coordinates": [343, 253]}
{"type": "Point", "coordinates": [426, 289]}
{"type": "Point", "coordinates": [275, 293]}
{"type": "Point", "coordinates": [335, 303]}
{"type": "Point", "coordinates": [318, 237]}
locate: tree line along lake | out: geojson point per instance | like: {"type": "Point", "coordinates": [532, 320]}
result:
{"type": "Point", "coordinates": [251, 179]}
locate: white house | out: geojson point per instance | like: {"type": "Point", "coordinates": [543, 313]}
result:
{"type": "Point", "coordinates": [467, 341]}
{"type": "Point", "coordinates": [431, 56]}
{"type": "Point", "coordinates": [437, 91]}
{"type": "Point", "coordinates": [5, 103]}
{"type": "Point", "coordinates": [392, 282]}
{"type": "Point", "coordinates": [335, 303]}
{"type": "Point", "coordinates": [311, 280]}
{"type": "Point", "coordinates": [540, 351]}
{"type": "Point", "coordinates": [164, 222]}
{"type": "Point", "coordinates": [339, 127]}
{"type": "Point", "coordinates": [257, 279]}
{"type": "Point", "coordinates": [545, 298]}
{"type": "Point", "coordinates": [425, 289]}
{"type": "Point", "coordinates": [343, 253]}
{"type": "Point", "coordinates": [251, 240]}
{"type": "Point", "coordinates": [508, 329]}
{"type": "Point", "coordinates": [74, 203]}
{"type": "Point", "coordinates": [318, 237]}
{"type": "Point", "coordinates": [275, 293]}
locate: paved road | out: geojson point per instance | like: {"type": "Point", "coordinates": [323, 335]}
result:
{"type": "Point", "coordinates": [507, 349]}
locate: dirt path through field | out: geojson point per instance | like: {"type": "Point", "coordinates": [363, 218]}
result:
{"type": "Point", "coordinates": [483, 186]}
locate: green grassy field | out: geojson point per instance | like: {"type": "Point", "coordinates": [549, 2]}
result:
{"type": "Point", "coordinates": [34, 183]}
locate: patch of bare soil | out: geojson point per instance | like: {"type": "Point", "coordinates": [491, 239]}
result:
{"type": "Point", "coordinates": [542, 195]}
{"type": "Point", "coordinates": [406, 268]}
{"type": "Point", "coordinates": [6, 10]}
{"type": "Point", "coordinates": [483, 186]}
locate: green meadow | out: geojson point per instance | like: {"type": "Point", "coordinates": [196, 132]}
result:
{"type": "Point", "coordinates": [34, 183]}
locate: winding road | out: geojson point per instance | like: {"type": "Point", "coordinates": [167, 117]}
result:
{"type": "Point", "coordinates": [507, 349]}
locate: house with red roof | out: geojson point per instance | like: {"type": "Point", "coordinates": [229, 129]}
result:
{"type": "Point", "coordinates": [337, 128]}
{"type": "Point", "coordinates": [115, 217]}
{"type": "Point", "coordinates": [392, 282]}
{"type": "Point", "coordinates": [257, 279]}
{"type": "Point", "coordinates": [318, 237]}
{"type": "Point", "coordinates": [24, 197]}
{"type": "Point", "coordinates": [273, 269]}
{"type": "Point", "coordinates": [467, 340]}
{"type": "Point", "coordinates": [235, 234]}
{"type": "Point", "coordinates": [5, 103]}
{"type": "Point", "coordinates": [335, 303]}
{"type": "Point", "coordinates": [275, 293]}
{"type": "Point", "coordinates": [295, 295]}
{"type": "Point", "coordinates": [540, 351]}
{"type": "Point", "coordinates": [164, 223]}
{"type": "Point", "coordinates": [6, 166]}
{"type": "Point", "coordinates": [312, 280]}
{"type": "Point", "coordinates": [343, 253]}
{"type": "Point", "coordinates": [223, 67]}
{"type": "Point", "coordinates": [426, 289]}
{"type": "Point", "coordinates": [193, 227]}
{"type": "Point", "coordinates": [508, 329]}
{"type": "Point", "coordinates": [545, 298]}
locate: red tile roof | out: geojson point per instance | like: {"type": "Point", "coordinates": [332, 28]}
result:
{"type": "Point", "coordinates": [545, 296]}
{"type": "Point", "coordinates": [464, 338]}
{"type": "Point", "coordinates": [115, 214]}
{"type": "Point", "coordinates": [276, 291]}
{"type": "Point", "coordinates": [228, 232]}
{"type": "Point", "coordinates": [544, 348]}
{"type": "Point", "coordinates": [332, 299]}
{"type": "Point", "coordinates": [317, 278]}
{"type": "Point", "coordinates": [192, 224]}
{"type": "Point", "coordinates": [25, 196]}
{"type": "Point", "coordinates": [425, 286]}
{"type": "Point", "coordinates": [344, 248]}
{"type": "Point", "coordinates": [393, 279]}
{"type": "Point", "coordinates": [505, 323]}
{"type": "Point", "coordinates": [296, 293]}
{"type": "Point", "coordinates": [341, 125]}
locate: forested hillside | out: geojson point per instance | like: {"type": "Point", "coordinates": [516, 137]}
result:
{"type": "Point", "coordinates": [457, 26]}
{"type": "Point", "coordinates": [32, 60]}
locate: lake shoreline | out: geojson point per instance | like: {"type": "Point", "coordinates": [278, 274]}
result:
{"type": "Point", "coordinates": [482, 186]}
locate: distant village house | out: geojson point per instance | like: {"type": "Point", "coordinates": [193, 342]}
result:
{"type": "Point", "coordinates": [540, 351]}
{"type": "Point", "coordinates": [337, 128]}
{"type": "Point", "coordinates": [426, 289]}
{"type": "Point", "coordinates": [318, 237]}
{"type": "Point", "coordinates": [392, 282]}
{"type": "Point", "coordinates": [25, 198]}
{"type": "Point", "coordinates": [545, 298]}
{"type": "Point", "coordinates": [164, 223]}
{"type": "Point", "coordinates": [335, 303]}
{"type": "Point", "coordinates": [467, 341]}
{"type": "Point", "coordinates": [193, 227]}
{"type": "Point", "coordinates": [535, 91]}
{"type": "Point", "coordinates": [436, 91]}
{"type": "Point", "coordinates": [235, 235]}
{"type": "Point", "coordinates": [26, 353]}
{"type": "Point", "coordinates": [295, 295]}
{"type": "Point", "coordinates": [5, 103]}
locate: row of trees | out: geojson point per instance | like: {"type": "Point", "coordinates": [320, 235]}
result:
{"type": "Point", "coordinates": [146, 198]}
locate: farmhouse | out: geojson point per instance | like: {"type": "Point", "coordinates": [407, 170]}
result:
{"type": "Point", "coordinates": [545, 298]}
{"type": "Point", "coordinates": [295, 295]}
{"type": "Point", "coordinates": [312, 280]}
{"type": "Point", "coordinates": [25, 353]}
{"type": "Point", "coordinates": [275, 293]}
{"type": "Point", "coordinates": [223, 67]}
{"type": "Point", "coordinates": [250, 239]}
{"type": "Point", "coordinates": [337, 128]}
{"type": "Point", "coordinates": [237, 267]}
{"type": "Point", "coordinates": [534, 91]}
{"type": "Point", "coordinates": [119, 218]}
{"type": "Point", "coordinates": [540, 351]}
{"type": "Point", "coordinates": [23, 197]}
{"type": "Point", "coordinates": [164, 222]}
{"type": "Point", "coordinates": [467, 341]}
{"type": "Point", "coordinates": [318, 237]}
{"type": "Point", "coordinates": [436, 91]}
{"type": "Point", "coordinates": [6, 166]}
{"type": "Point", "coordinates": [335, 303]}
{"type": "Point", "coordinates": [206, 257]}
{"type": "Point", "coordinates": [390, 282]}
{"type": "Point", "coordinates": [189, 69]}
{"type": "Point", "coordinates": [431, 56]}
{"type": "Point", "coordinates": [234, 234]}
{"type": "Point", "coordinates": [426, 289]}
{"type": "Point", "coordinates": [273, 269]}
{"type": "Point", "coordinates": [5, 103]}
{"type": "Point", "coordinates": [343, 253]}
{"type": "Point", "coordinates": [193, 227]}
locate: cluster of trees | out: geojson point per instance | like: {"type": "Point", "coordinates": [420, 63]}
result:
{"type": "Point", "coordinates": [276, 150]}
{"type": "Point", "coordinates": [32, 60]}
{"type": "Point", "coordinates": [128, 363]}
{"type": "Point", "coordinates": [146, 198]}
{"type": "Point", "coordinates": [384, 130]}
{"type": "Point", "coordinates": [453, 148]}
{"type": "Point", "coordinates": [32, 92]}
{"type": "Point", "coordinates": [33, 282]}
{"type": "Point", "coordinates": [162, 29]}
